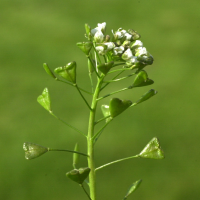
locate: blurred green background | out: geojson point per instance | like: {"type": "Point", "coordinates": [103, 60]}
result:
{"type": "Point", "coordinates": [37, 31]}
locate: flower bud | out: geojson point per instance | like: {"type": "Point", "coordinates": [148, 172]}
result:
{"type": "Point", "coordinates": [88, 31]}
{"type": "Point", "coordinates": [33, 150]}
{"type": "Point", "coordinates": [118, 50]}
{"type": "Point", "coordinates": [135, 35]}
{"type": "Point", "coordinates": [85, 47]}
{"type": "Point", "coordinates": [107, 38]}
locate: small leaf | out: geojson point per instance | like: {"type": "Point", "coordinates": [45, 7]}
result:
{"type": "Point", "coordinates": [33, 150]}
{"type": "Point", "coordinates": [44, 100]}
{"type": "Point", "coordinates": [152, 150]}
{"type": "Point", "coordinates": [48, 70]}
{"type": "Point", "coordinates": [68, 72]}
{"type": "Point", "coordinates": [106, 112]}
{"type": "Point", "coordinates": [117, 106]}
{"type": "Point", "coordinates": [76, 156]}
{"type": "Point", "coordinates": [78, 175]}
{"type": "Point", "coordinates": [142, 79]}
{"type": "Point", "coordinates": [85, 47]}
{"type": "Point", "coordinates": [104, 68]}
{"type": "Point", "coordinates": [147, 95]}
{"type": "Point", "coordinates": [133, 187]}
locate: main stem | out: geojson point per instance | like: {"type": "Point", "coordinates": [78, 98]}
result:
{"type": "Point", "coordinates": [90, 143]}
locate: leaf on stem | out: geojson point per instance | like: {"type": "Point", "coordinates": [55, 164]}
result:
{"type": "Point", "coordinates": [133, 187]}
{"type": "Point", "coordinates": [78, 175]}
{"type": "Point", "coordinates": [142, 79]}
{"type": "Point", "coordinates": [117, 106]}
{"type": "Point", "coordinates": [67, 72]}
{"type": "Point", "coordinates": [44, 100]}
{"type": "Point", "coordinates": [152, 150]}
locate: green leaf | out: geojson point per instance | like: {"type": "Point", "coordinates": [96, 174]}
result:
{"type": "Point", "coordinates": [117, 106]}
{"type": "Point", "coordinates": [106, 112]}
{"type": "Point", "coordinates": [68, 72]}
{"type": "Point", "coordinates": [48, 70]}
{"type": "Point", "coordinates": [133, 187]}
{"type": "Point", "coordinates": [152, 150]}
{"type": "Point", "coordinates": [78, 175]}
{"type": "Point", "coordinates": [33, 150]}
{"type": "Point", "coordinates": [142, 79]}
{"type": "Point", "coordinates": [76, 156]}
{"type": "Point", "coordinates": [147, 95]}
{"type": "Point", "coordinates": [44, 100]}
{"type": "Point", "coordinates": [85, 47]}
{"type": "Point", "coordinates": [105, 67]}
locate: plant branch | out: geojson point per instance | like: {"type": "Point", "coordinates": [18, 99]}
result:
{"type": "Point", "coordinates": [116, 161]}
{"type": "Point", "coordinates": [85, 191]}
{"type": "Point", "coordinates": [50, 149]}
{"type": "Point", "coordinates": [83, 97]}
{"type": "Point", "coordinates": [72, 127]}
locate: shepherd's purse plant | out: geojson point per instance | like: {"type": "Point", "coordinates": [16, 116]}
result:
{"type": "Point", "coordinates": [121, 51]}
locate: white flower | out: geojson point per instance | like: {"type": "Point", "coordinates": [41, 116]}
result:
{"type": "Point", "coordinates": [119, 33]}
{"type": "Point", "coordinates": [99, 36]}
{"type": "Point", "coordinates": [100, 50]}
{"type": "Point", "coordinates": [141, 51]}
{"type": "Point", "coordinates": [100, 27]}
{"type": "Point", "coordinates": [118, 50]}
{"type": "Point", "coordinates": [132, 60]}
{"type": "Point", "coordinates": [128, 36]}
{"type": "Point", "coordinates": [127, 54]}
{"type": "Point", "coordinates": [137, 44]}
{"type": "Point", "coordinates": [110, 45]}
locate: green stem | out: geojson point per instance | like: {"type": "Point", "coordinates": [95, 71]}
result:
{"type": "Point", "coordinates": [107, 95]}
{"type": "Point", "coordinates": [102, 119]}
{"type": "Point", "coordinates": [83, 97]}
{"type": "Point", "coordinates": [91, 81]}
{"type": "Point", "coordinates": [85, 191]}
{"type": "Point", "coordinates": [119, 79]}
{"type": "Point", "coordinates": [112, 79]}
{"type": "Point", "coordinates": [90, 145]}
{"type": "Point", "coordinates": [74, 85]}
{"type": "Point", "coordinates": [72, 127]}
{"type": "Point", "coordinates": [116, 70]}
{"type": "Point", "coordinates": [116, 161]}
{"type": "Point", "coordinates": [50, 149]}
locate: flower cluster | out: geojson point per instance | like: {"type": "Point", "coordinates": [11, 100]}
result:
{"type": "Point", "coordinates": [123, 46]}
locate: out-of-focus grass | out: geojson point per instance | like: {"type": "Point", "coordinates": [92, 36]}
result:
{"type": "Point", "coordinates": [35, 32]}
